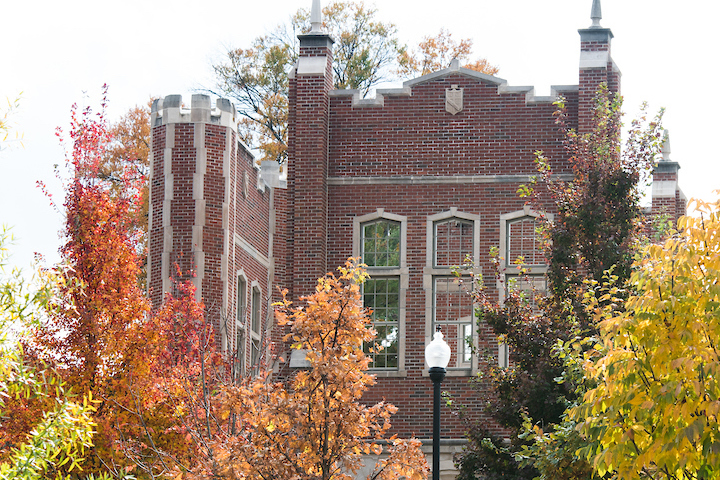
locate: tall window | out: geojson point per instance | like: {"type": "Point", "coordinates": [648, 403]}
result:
{"type": "Point", "coordinates": [240, 312]}
{"type": "Point", "coordinates": [379, 241]}
{"type": "Point", "coordinates": [452, 241]}
{"type": "Point", "coordinates": [453, 314]}
{"type": "Point", "coordinates": [255, 326]}
{"type": "Point", "coordinates": [523, 241]}
{"type": "Point", "coordinates": [521, 249]}
{"type": "Point", "coordinates": [381, 294]}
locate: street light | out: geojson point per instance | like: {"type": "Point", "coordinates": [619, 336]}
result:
{"type": "Point", "coordinates": [437, 356]}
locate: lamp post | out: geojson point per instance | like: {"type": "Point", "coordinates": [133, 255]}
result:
{"type": "Point", "coordinates": [437, 356]}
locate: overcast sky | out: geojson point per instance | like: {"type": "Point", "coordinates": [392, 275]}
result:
{"type": "Point", "coordinates": [57, 53]}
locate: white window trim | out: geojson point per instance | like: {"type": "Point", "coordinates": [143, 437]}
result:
{"type": "Point", "coordinates": [456, 368]}
{"type": "Point", "coordinates": [402, 272]}
{"type": "Point", "coordinates": [506, 263]}
{"type": "Point", "coordinates": [241, 322]}
{"type": "Point", "coordinates": [253, 335]}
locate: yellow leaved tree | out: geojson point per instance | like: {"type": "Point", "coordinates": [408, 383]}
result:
{"type": "Point", "coordinates": [654, 410]}
{"type": "Point", "coordinates": [314, 426]}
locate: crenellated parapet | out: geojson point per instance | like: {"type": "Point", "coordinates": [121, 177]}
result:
{"type": "Point", "coordinates": [171, 109]}
{"type": "Point", "coordinates": [358, 101]}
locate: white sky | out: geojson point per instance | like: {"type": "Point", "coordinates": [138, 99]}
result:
{"type": "Point", "coordinates": [53, 52]}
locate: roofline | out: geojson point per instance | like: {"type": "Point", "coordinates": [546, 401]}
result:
{"type": "Point", "coordinates": [455, 69]}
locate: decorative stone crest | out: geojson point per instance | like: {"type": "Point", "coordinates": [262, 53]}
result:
{"type": "Point", "coordinates": [245, 184]}
{"type": "Point", "coordinates": [454, 99]}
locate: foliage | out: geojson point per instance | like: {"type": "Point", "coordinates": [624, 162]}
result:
{"type": "Point", "coordinates": [594, 230]}
{"type": "Point", "coordinates": [5, 124]}
{"type": "Point", "coordinates": [314, 426]}
{"type": "Point", "coordinates": [366, 53]}
{"type": "Point", "coordinates": [257, 78]}
{"type": "Point", "coordinates": [364, 47]}
{"type": "Point", "coordinates": [98, 335]}
{"type": "Point", "coordinates": [654, 411]}
{"type": "Point", "coordinates": [188, 372]}
{"type": "Point", "coordinates": [128, 155]}
{"type": "Point", "coordinates": [436, 53]}
{"type": "Point", "coordinates": [63, 434]}
{"type": "Point", "coordinates": [127, 158]}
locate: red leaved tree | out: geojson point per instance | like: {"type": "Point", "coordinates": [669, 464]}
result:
{"type": "Point", "coordinates": [99, 335]}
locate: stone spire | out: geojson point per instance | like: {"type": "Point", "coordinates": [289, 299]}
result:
{"type": "Point", "coordinates": [316, 17]}
{"type": "Point", "coordinates": [666, 146]}
{"type": "Point", "coordinates": [596, 14]}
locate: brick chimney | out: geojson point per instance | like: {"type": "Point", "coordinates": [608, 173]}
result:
{"type": "Point", "coordinates": [308, 127]}
{"type": "Point", "coordinates": [596, 66]}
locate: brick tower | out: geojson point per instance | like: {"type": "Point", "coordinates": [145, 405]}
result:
{"type": "Point", "coordinates": [209, 220]}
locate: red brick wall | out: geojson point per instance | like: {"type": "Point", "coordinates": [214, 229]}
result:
{"type": "Point", "coordinates": [234, 208]}
{"type": "Point", "coordinates": [307, 182]}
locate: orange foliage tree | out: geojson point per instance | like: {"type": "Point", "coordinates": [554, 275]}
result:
{"type": "Point", "coordinates": [100, 336]}
{"type": "Point", "coordinates": [127, 156]}
{"type": "Point", "coordinates": [436, 53]}
{"type": "Point", "coordinates": [314, 426]}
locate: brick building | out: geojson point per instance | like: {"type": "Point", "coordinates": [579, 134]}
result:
{"type": "Point", "coordinates": [412, 181]}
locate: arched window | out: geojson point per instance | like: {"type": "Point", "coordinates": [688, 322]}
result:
{"type": "Point", "coordinates": [379, 241]}
{"type": "Point", "coordinates": [453, 239]}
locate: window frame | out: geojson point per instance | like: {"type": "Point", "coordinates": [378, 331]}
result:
{"type": "Point", "coordinates": [255, 336]}
{"type": "Point", "coordinates": [241, 310]}
{"type": "Point", "coordinates": [507, 219]}
{"type": "Point", "coordinates": [533, 270]}
{"type": "Point", "coordinates": [457, 366]}
{"type": "Point", "coordinates": [401, 272]}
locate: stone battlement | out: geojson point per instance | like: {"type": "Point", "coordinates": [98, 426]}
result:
{"type": "Point", "coordinates": [170, 109]}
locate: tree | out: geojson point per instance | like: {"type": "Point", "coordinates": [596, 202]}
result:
{"type": "Point", "coordinates": [366, 53]}
{"type": "Point", "coordinates": [63, 434]}
{"type": "Point", "coordinates": [128, 155]}
{"type": "Point", "coordinates": [99, 336]}
{"type": "Point", "coordinates": [314, 426]}
{"type": "Point", "coordinates": [654, 411]}
{"type": "Point", "coordinates": [257, 78]}
{"type": "Point", "coordinates": [594, 231]}
{"type": "Point", "coordinates": [436, 53]}
{"type": "Point", "coordinates": [5, 124]}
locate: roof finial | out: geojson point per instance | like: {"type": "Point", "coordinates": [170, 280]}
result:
{"type": "Point", "coordinates": [316, 17]}
{"type": "Point", "coordinates": [666, 146]}
{"type": "Point", "coordinates": [596, 14]}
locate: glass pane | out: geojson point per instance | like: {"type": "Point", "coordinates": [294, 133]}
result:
{"type": "Point", "coordinates": [453, 242]}
{"type": "Point", "coordinates": [523, 242]}
{"type": "Point", "coordinates": [453, 314]}
{"type": "Point", "coordinates": [381, 295]}
{"type": "Point", "coordinates": [381, 244]}
{"type": "Point", "coordinates": [532, 287]}
{"type": "Point", "coordinates": [256, 309]}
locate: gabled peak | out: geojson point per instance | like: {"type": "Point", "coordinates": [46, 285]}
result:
{"type": "Point", "coordinates": [596, 14]}
{"type": "Point", "coordinates": [455, 69]}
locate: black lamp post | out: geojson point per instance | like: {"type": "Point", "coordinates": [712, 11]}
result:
{"type": "Point", "coordinates": [437, 356]}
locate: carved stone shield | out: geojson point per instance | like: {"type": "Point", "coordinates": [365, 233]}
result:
{"type": "Point", "coordinates": [453, 99]}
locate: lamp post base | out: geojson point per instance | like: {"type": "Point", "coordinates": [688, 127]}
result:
{"type": "Point", "coordinates": [437, 374]}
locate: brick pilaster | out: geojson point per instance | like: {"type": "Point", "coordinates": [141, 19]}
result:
{"type": "Point", "coordinates": [308, 162]}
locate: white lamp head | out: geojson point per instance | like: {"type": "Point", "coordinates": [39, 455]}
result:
{"type": "Point", "coordinates": [437, 352]}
